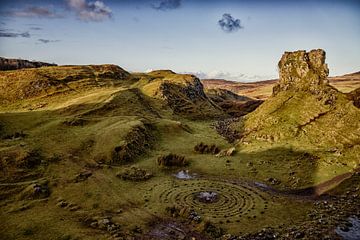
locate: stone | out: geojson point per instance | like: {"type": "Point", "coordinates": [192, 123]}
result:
{"type": "Point", "coordinates": [82, 176]}
{"type": "Point", "coordinates": [207, 197]}
{"type": "Point", "coordinates": [134, 174]}
{"type": "Point", "coordinates": [62, 204]}
{"type": "Point", "coordinates": [302, 71]}
{"type": "Point", "coordinates": [227, 152]}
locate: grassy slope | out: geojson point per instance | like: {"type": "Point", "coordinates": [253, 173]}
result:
{"type": "Point", "coordinates": [303, 122]}
{"type": "Point", "coordinates": [110, 109]}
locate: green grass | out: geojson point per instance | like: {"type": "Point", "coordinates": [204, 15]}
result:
{"type": "Point", "coordinates": [76, 130]}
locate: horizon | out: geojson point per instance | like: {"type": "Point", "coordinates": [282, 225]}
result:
{"type": "Point", "coordinates": [231, 40]}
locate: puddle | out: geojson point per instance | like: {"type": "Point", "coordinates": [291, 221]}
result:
{"type": "Point", "coordinates": [184, 174]}
{"type": "Point", "coordinates": [349, 230]}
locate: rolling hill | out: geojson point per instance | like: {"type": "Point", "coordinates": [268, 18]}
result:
{"type": "Point", "coordinates": [97, 152]}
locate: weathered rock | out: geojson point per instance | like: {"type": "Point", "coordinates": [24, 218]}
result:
{"type": "Point", "coordinates": [273, 181]}
{"type": "Point", "coordinates": [304, 71]}
{"type": "Point", "coordinates": [13, 64]}
{"type": "Point", "coordinates": [136, 143]}
{"type": "Point", "coordinates": [207, 197]}
{"type": "Point", "coordinates": [227, 152]}
{"type": "Point", "coordinates": [134, 174]}
{"type": "Point", "coordinates": [355, 97]}
{"type": "Point", "coordinates": [183, 93]}
{"type": "Point", "coordinates": [82, 176]}
{"type": "Point", "coordinates": [35, 191]}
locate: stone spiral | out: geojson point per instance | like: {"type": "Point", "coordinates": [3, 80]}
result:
{"type": "Point", "coordinates": [233, 203]}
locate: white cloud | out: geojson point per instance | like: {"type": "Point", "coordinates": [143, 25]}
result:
{"type": "Point", "coordinates": [90, 11]}
{"type": "Point", "coordinates": [231, 76]}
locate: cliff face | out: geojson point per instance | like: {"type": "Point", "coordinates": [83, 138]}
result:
{"type": "Point", "coordinates": [304, 71]}
{"type": "Point", "coordinates": [13, 64]}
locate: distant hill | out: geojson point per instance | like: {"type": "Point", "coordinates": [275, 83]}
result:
{"type": "Point", "coordinates": [263, 89]}
{"type": "Point", "coordinates": [13, 64]}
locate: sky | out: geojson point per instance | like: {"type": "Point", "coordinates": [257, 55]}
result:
{"type": "Point", "coordinates": [235, 40]}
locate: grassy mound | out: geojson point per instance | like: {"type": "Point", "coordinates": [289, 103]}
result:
{"type": "Point", "coordinates": [184, 94]}
{"type": "Point", "coordinates": [67, 149]}
{"type": "Point", "coordinates": [46, 81]}
{"type": "Point", "coordinates": [306, 114]}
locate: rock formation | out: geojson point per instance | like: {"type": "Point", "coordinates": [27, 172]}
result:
{"type": "Point", "coordinates": [13, 64]}
{"type": "Point", "coordinates": [183, 93]}
{"type": "Point", "coordinates": [303, 107]}
{"type": "Point", "coordinates": [302, 70]}
{"type": "Point", "coordinates": [355, 97]}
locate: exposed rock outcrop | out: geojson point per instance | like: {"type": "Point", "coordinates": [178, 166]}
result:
{"type": "Point", "coordinates": [134, 174]}
{"type": "Point", "coordinates": [13, 64]}
{"type": "Point", "coordinates": [301, 70]}
{"type": "Point", "coordinates": [355, 97]}
{"type": "Point", "coordinates": [303, 107]}
{"type": "Point", "coordinates": [183, 93]}
{"type": "Point", "coordinates": [121, 142]}
{"type": "Point", "coordinates": [231, 103]}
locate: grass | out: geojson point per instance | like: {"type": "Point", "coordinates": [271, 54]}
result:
{"type": "Point", "coordinates": [79, 129]}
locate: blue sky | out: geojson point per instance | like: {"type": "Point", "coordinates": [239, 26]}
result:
{"type": "Point", "coordinates": [183, 35]}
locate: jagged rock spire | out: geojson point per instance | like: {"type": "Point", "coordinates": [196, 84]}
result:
{"type": "Point", "coordinates": [302, 71]}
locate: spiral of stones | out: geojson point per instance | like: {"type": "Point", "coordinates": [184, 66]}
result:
{"type": "Point", "coordinates": [234, 201]}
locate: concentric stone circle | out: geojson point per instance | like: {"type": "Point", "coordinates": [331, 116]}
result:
{"type": "Point", "coordinates": [232, 204]}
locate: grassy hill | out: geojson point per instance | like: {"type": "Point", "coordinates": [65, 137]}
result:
{"type": "Point", "coordinates": [85, 153]}
{"type": "Point", "coordinates": [306, 113]}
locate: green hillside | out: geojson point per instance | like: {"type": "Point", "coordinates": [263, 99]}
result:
{"type": "Point", "coordinates": [96, 152]}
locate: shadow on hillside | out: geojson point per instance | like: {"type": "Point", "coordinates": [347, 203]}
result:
{"type": "Point", "coordinates": [282, 167]}
{"type": "Point", "coordinates": [292, 172]}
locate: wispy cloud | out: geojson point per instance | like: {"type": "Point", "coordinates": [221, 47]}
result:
{"type": "Point", "coordinates": [33, 12]}
{"type": "Point", "coordinates": [7, 33]}
{"type": "Point", "coordinates": [229, 24]}
{"type": "Point", "coordinates": [167, 5]}
{"type": "Point", "coordinates": [233, 76]}
{"type": "Point", "coordinates": [90, 11]}
{"type": "Point", "coordinates": [45, 41]}
{"type": "Point", "coordinates": [36, 28]}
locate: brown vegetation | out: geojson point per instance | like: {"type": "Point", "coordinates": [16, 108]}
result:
{"type": "Point", "coordinates": [134, 174]}
{"type": "Point", "coordinates": [206, 149]}
{"type": "Point", "coordinates": [172, 160]}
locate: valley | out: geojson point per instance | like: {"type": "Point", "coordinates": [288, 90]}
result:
{"type": "Point", "coordinates": [97, 152]}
